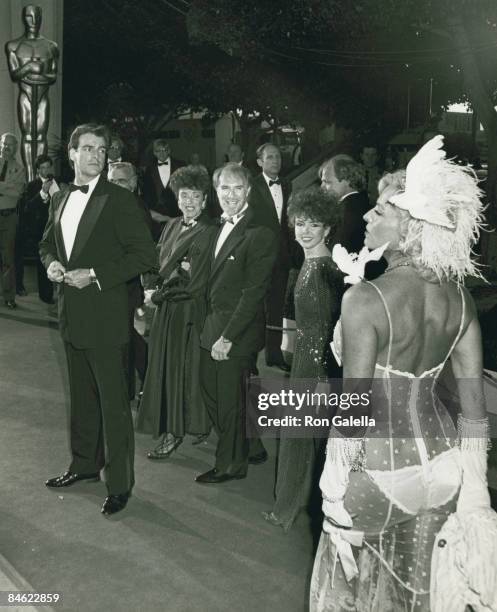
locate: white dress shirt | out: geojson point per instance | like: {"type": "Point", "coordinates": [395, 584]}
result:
{"type": "Point", "coordinates": [277, 194]}
{"type": "Point", "coordinates": [165, 172]}
{"type": "Point", "coordinates": [73, 211]}
{"type": "Point", "coordinates": [228, 228]}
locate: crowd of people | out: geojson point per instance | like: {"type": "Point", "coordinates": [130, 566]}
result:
{"type": "Point", "coordinates": [112, 241]}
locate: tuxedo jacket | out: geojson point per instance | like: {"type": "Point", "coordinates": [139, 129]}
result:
{"type": "Point", "coordinates": [156, 197]}
{"type": "Point", "coordinates": [35, 208]}
{"type": "Point", "coordinates": [290, 253]}
{"type": "Point", "coordinates": [354, 207]}
{"type": "Point", "coordinates": [238, 281]}
{"type": "Point", "coordinates": [113, 239]}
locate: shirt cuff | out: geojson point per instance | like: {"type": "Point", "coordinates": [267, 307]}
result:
{"type": "Point", "coordinates": [94, 278]}
{"type": "Point", "coordinates": [44, 195]}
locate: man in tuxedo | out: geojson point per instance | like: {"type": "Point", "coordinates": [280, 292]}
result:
{"type": "Point", "coordinates": [241, 263]}
{"type": "Point", "coordinates": [269, 199]}
{"type": "Point", "coordinates": [115, 152]}
{"type": "Point", "coordinates": [95, 240]}
{"type": "Point", "coordinates": [369, 157]}
{"type": "Point", "coordinates": [37, 201]}
{"type": "Point", "coordinates": [124, 175]}
{"type": "Point", "coordinates": [234, 154]}
{"type": "Point", "coordinates": [12, 184]}
{"type": "Point", "coordinates": [156, 190]}
{"type": "Point", "coordinates": [343, 177]}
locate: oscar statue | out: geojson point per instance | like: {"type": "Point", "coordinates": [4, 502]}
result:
{"type": "Point", "coordinates": [32, 61]}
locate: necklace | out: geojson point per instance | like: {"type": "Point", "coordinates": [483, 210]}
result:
{"type": "Point", "coordinates": [399, 265]}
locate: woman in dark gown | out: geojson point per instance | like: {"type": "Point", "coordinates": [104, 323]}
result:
{"type": "Point", "coordinates": [172, 404]}
{"type": "Point", "coordinates": [318, 293]}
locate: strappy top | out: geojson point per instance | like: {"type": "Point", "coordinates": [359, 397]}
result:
{"type": "Point", "coordinates": [388, 369]}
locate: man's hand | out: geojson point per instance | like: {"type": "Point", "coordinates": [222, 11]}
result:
{"type": "Point", "coordinates": [79, 278]}
{"type": "Point", "coordinates": [46, 186]}
{"type": "Point", "coordinates": [220, 349]}
{"type": "Point", "coordinates": [147, 301]}
{"type": "Point", "coordinates": [156, 216]}
{"type": "Point", "coordinates": [55, 272]}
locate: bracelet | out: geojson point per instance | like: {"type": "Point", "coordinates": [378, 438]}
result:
{"type": "Point", "coordinates": [473, 434]}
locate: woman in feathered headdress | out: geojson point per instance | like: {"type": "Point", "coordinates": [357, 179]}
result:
{"type": "Point", "coordinates": [387, 493]}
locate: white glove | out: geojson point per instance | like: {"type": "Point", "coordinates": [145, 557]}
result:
{"type": "Point", "coordinates": [473, 443]}
{"type": "Point", "coordinates": [341, 455]}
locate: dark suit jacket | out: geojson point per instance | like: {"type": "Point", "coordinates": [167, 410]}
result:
{"type": "Point", "coordinates": [354, 207]}
{"type": "Point", "coordinates": [35, 209]}
{"type": "Point", "coordinates": [262, 205]}
{"type": "Point", "coordinates": [238, 282]}
{"type": "Point", "coordinates": [135, 289]}
{"type": "Point", "coordinates": [156, 197]}
{"type": "Point", "coordinates": [113, 239]}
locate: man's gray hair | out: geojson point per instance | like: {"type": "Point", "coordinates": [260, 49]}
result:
{"type": "Point", "coordinates": [126, 166]}
{"type": "Point", "coordinates": [232, 168]}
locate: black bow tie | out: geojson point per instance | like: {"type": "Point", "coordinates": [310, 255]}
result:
{"type": "Point", "coordinates": [83, 188]}
{"type": "Point", "coordinates": [276, 182]}
{"type": "Point", "coordinates": [231, 219]}
{"type": "Point", "coordinates": [190, 224]}
{"type": "Point", "coordinates": [163, 163]}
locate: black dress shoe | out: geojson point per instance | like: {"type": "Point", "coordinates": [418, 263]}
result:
{"type": "Point", "coordinates": [69, 478]}
{"type": "Point", "coordinates": [22, 292]}
{"type": "Point", "coordinates": [11, 304]}
{"type": "Point", "coordinates": [165, 448]}
{"type": "Point", "coordinates": [115, 503]}
{"type": "Point", "coordinates": [282, 365]}
{"type": "Point", "coordinates": [258, 459]}
{"type": "Point", "coordinates": [215, 477]}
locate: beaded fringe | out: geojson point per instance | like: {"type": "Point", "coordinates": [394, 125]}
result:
{"type": "Point", "coordinates": [473, 434]}
{"type": "Point", "coordinates": [350, 452]}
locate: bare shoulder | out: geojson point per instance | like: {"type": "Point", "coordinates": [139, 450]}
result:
{"type": "Point", "coordinates": [361, 303]}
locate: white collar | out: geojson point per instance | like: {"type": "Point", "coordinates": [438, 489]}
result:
{"type": "Point", "coordinates": [346, 196]}
{"type": "Point", "coordinates": [91, 185]}
{"type": "Point", "coordinates": [267, 178]}
{"type": "Point", "coordinates": [238, 215]}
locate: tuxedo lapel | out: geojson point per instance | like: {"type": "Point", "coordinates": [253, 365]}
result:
{"type": "Point", "coordinates": [231, 242]}
{"type": "Point", "coordinates": [89, 218]}
{"type": "Point", "coordinates": [268, 199]}
{"type": "Point", "coordinates": [59, 239]}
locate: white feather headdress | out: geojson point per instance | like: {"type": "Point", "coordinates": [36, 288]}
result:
{"type": "Point", "coordinates": [443, 200]}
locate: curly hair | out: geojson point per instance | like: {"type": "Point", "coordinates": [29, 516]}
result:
{"type": "Point", "coordinates": [439, 252]}
{"type": "Point", "coordinates": [190, 177]}
{"type": "Point", "coordinates": [315, 204]}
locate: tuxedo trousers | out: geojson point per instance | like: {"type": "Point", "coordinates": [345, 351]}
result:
{"type": "Point", "coordinates": [101, 426]}
{"type": "Point", "coordinates": [223, 388]}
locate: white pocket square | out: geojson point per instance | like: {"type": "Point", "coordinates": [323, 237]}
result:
{"type": "Point", "coordinates": [231, 258]}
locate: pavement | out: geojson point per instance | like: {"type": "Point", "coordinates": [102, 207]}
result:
{"type": "Point", "coordinates": [178, 546]}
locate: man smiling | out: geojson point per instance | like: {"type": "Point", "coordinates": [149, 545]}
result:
{"type": "Point", "coordinates": [242, 261]}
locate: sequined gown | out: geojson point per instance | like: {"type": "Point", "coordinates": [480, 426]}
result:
{"type": "Point", "coordinates": [318, 295]}
{"type": "Point", "coordinates": [398, 501]}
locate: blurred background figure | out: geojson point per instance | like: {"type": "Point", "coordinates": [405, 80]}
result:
{"type": "Point", "coordinates": [12, 184]}
{"type": "Point", "coordinates": [37, 203]}
{"type": "Point", "coordinates": [115, 150]}
{"type": "Point", "coordinates": [124, 175]}
{"type": "Point", "coordinates": [369, 157]}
